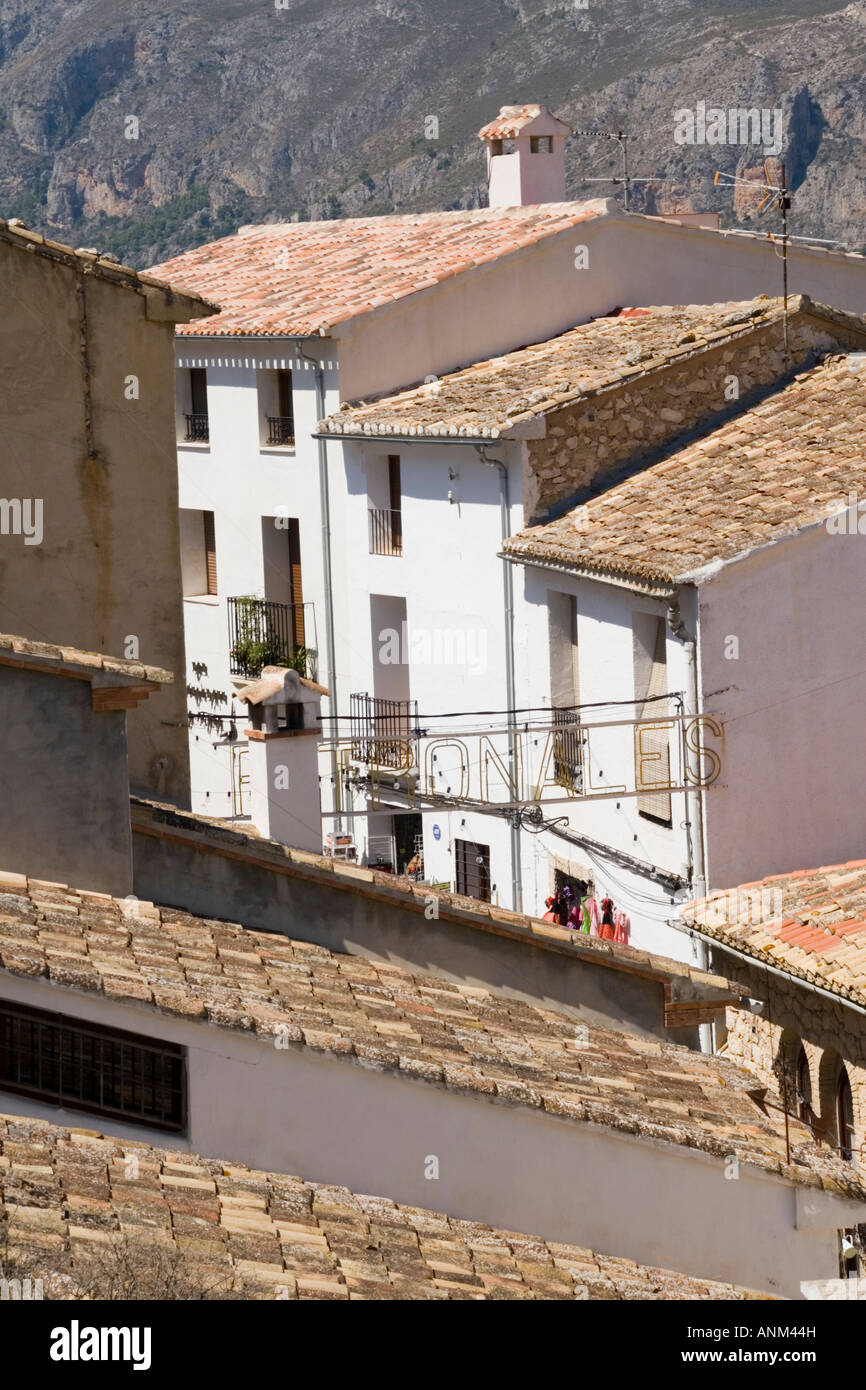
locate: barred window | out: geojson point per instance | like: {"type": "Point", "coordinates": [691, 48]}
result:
{"type": "Point", "coordinates": [87, 1067]}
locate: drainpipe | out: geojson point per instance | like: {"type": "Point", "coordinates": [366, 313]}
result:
{"type": "Point", "coordinates": [695, 817]}
{"type": "Point", "coordinates": [325, 503]}
{"type": "Point", "coordinates": [508, 595]}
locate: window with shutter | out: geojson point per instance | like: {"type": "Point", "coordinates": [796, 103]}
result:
{"type": "Point", "coordinates": [210, 551]}
{"type": "Point", "coordinates": [652, 746]}
{"type": "Point", "coordinates": [562, 651]}
{"type": "Point", "coordinates": [296, 582]}
{"type": "Point", "coordinates": [396, 502]}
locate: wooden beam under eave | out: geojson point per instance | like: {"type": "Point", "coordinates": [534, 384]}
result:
{"type": "Point", "coordinates": [104, 698]}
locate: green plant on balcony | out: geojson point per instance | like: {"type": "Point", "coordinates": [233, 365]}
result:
{"type": "Point", "coordinates": [258, 645]}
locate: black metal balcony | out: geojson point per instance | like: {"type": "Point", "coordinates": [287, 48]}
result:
{"type": "Point", "coordinates": [197, 428]}
{"type": "Point", "coordinates": [263, 633]}
{"type": "Point", "coordinates": [568, 750]}
{"type": "Point", "coordinates": [386, 531]}
{"type": "Point", "coordinates": [281, 430]}
{"type": "Point", "coordinates": [384, 732]}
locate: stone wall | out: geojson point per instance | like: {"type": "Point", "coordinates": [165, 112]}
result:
{"type": "Point", "coordinates": [769, 1043]}
{"type": "Point", "coordinates": [88, 430]}
{"type": "Point", "coordinates": [598, 435]}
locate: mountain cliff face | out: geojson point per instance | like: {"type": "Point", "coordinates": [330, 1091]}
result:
{"type": "Point", "coordinates": [147, 126]}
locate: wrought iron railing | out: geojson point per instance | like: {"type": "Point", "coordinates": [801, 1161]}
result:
{"type": "Point", "coordinates": [386, 531]}
{"type": "Point", "coordinates": [265, 633]}
{"type": "Point", "coordinates": [384, 732]}
{"type": "Point", "coordinates": [197, 427]}
{"type": "Point", "coordinates": [568, 750]}
{"type": "Point", "coordinates": [281, 430]}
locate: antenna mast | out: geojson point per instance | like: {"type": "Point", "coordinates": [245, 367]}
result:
{"type": "Point", "coordinates": [776, 195]}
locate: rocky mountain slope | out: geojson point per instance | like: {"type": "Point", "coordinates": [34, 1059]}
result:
{"type": "Point", "coordinates": [146, 126]}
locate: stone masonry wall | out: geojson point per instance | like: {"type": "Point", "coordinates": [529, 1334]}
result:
{"type": "Point", "coordinates": [593, 438]}
{"type": "Point", "coordinates": [831, 1034]}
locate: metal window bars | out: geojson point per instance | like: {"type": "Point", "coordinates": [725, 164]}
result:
{"type": "Point", "coordinates": [386, 531]}
{"type": "Point", "coordinates": [197, 427]}
{"type": "Point", "coordinates": [384, 732]}
{"type": "Point", "coordinates": [281, 430]}
{"type": "Point", "coordinates": [265, 633]}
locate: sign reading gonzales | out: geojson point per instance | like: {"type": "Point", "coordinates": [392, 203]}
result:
{"type": "Point", "coordinates": [565, 760]}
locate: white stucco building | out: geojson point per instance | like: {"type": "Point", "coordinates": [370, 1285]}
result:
{"type": "Point", "coordinates": [294, 538]}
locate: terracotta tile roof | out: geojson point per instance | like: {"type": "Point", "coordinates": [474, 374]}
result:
{"type": "Point", "coordinates": [811, 923]}
{"type": "Point", "coordinates": [16, 650]}
{"type": "Point", "coordinates": [106, 267]}
{"type": "Point", "coordinates": [514, 119]}
{"type": "Point", "coordinates": [306, 277]}
{"type": "Point", "coordinates": [423, 1027]}
{"type": "Point", "coordinates": [65, 1194]}
{"type": "Point", "coordinates": [490, 398]}
{"type": "Point", "coordinates": [786, 464]}
{"type": "Point", "coordinates": [682, 980]}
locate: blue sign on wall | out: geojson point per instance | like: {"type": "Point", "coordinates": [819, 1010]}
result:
{"type": "Point", "coordinates": [437, 833]}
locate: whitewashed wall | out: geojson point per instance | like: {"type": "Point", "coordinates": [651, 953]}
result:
{"type": "Point", "coordinates": [792, 794]}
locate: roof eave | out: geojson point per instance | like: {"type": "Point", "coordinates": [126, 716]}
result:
{"type": "Point", "coordinates": [656, 586]}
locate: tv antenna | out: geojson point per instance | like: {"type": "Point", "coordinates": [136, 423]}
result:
{"type": "Point", "coordinates": [776, 195]}
{"type": "Point", "coordinates": [622, 140]}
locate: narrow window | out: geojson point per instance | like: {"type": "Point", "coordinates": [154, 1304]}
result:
{"type": "Point", "coordinates": [652, 746]}
{"type": "Point", "coordinates": [540, 144]}
{"type": "Point", "coordinates": [396, 503]}
{"type": "Point", "coordinates": [384, 490]}
{"type": "Point", "coordinates": [472, 869]}
{"type": "Point", "coordinates": [562, 653]}
{"type": "Point", "coordinates": [197, 553]}
{"type": "Point", "coordinates": [296, 583]}
{"type": "Point", "coordinates": [283, 427]}
{"type": "Point", "coordinates": [210, 551]}
{"type": "Point", "coordinates": [197, 424]}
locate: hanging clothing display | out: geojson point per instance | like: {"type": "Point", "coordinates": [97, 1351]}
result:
{"type": "Point", "coordinates": [594, 917]}
{"type": "Point", "coordinates": [606, 930]}
{"type": "Point", "coordinates": [621, 927]}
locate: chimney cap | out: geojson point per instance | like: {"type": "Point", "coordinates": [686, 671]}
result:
{"type": "Point", "coordinates": [523, 120]}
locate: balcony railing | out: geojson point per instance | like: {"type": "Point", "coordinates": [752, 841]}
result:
{"type": "Point", "coordinates": [263, 633]}
{"type": "Point", "coordinates": [197, 427]}
{"type": "Point", "coordinates": [568, 750]}
{"type": "Point", "coordinates": [384, 732]}
{"type": "Point", "coordinates": [281, 430]}
{"type": "Point", "coordinates": [386, 531]}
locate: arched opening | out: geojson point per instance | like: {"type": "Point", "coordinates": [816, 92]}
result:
{"type": "Point", "coordinates": [844, 1116]}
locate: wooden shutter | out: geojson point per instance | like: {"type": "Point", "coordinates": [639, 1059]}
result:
{"type": "Point", "coordinates": [210, 551]}
{"type": "Point", "coordinates": [296, 583]}
{"type": "Point", "coordinates": [655, 805]}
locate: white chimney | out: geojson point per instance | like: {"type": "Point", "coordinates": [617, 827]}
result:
{"type": "Point", "coordinates": [525, 157]}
